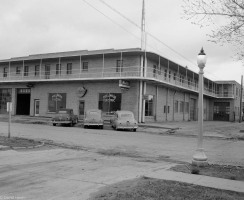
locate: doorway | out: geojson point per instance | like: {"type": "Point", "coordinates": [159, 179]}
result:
{"type": "Point", "coordinates": [81, 109]}
{"type": "Point", "coordinates": [36, 107]}
{"type": "Point", "coordinates": [23, 102]}
{"type": "Point", "coordinates": [193, 110]}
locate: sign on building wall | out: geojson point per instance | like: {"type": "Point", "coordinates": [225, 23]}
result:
{"type": "Point", "coordinates": [123, 84]}
{"type": "Point", "coordinates": [81, 92]}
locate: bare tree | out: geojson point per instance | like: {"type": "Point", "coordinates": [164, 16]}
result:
{"type": "Point", "coordinates": [228, 13]}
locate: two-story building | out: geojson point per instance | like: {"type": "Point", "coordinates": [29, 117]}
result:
{"type": "Point", "coordinates": [154, 88]}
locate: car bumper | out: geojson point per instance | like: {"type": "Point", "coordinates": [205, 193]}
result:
{"type": "Point", "coordinates": [61, 122]}
{"type": "Point", "coordinates": [127, 127]}
{"type": "Point", "coordinates": [93, 124]}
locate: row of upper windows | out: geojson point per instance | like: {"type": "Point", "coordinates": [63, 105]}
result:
{"type": "Point", "coordinates": [119, 68]}
{"type": "Point", "coordinates": [47, 69]}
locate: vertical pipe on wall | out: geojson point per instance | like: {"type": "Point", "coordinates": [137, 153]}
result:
{"type": "Point", "coordinates": [167, 94]}
{"type": "Point", "coordinates": [173, 114]}
{"type": "Point", "coordinates": [140, 103]}
{"type": "Point", "coordinates": [168, 72]}
{"type": "Point", "coordinates": [184, 104]}
{"type": "Point", "coordinates": [23, 69]}
{"type": "Point", "coordinates": [144, 102]}
{"type": "Point", "coordinates": [103, 66]}
{"type": "Point", "coordinates": [121, 60]}
{"type": "Point", "coordinates": [40, 70]}
{"type": "Point", "coordinates": [156, 104]}
{"type": "Point", "coordinates": [80, 66]}
{"type": "Point", "coordinates": [9, 70]}
{"type": "Point", "coordinates": [240, 117]}
{"type": "Point", "coordinates": [159, 67]}
{"type": "Point", "coordinates": [59, 64]}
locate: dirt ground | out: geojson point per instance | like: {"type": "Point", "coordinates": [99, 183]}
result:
{"type": "Point", "coordinates": [220, 171]}
{"type": "Point", "coordinates": [145, 188]}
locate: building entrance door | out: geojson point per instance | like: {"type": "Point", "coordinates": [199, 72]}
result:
{"type": "Point", "coordinates": [81, 109]}
{"type": "Point", "coordinates": [193, 110]}
{"type": "Point", "coordinates": [36, 107]}
{"type": "Point", "coordinates": [23, 101]}
{"type": "Point", "coordinates": [221, 111]}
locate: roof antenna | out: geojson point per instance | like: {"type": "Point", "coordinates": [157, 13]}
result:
{"type": "Point", "coordinates": [143, 32]}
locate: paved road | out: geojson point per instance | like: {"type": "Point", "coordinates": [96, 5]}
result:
{"type": "Point", "coordinates": [59, 173]}
{"type": "Point", "coordinates": [144, 144]}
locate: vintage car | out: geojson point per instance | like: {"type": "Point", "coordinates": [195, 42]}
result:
{"type": "Point", "coordinates": [65, 116]}
{"type": "Point", "coordinates": [93, 117]}
{"type": "Point", "coordinates": [124, 120]}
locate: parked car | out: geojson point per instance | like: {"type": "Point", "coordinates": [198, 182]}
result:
{"type": "Point", "coordinates": [65, 116]}
{"type": "Point", "coordinates": [93, 118]}
{"type": "Point", "coordinates": [124, 120]}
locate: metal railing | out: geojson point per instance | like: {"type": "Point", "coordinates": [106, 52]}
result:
{"type": "Point", "coordinates": [110, 72]}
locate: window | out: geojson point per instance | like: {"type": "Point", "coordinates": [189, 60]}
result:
{"type": "Point", "coordinates": [56, 101]}
{"type": "Point", "coordinates": [85, 67]}
{"type": "Point", "coordinates": [165, 74]}
{"type": "Point", "coordinates": [37, 70]}
{"type": "Point", "coordinates": [58, 69]}
{"type": "Point", "coordinates": [181, 106]}
{"type": "Point", "coordinates": [119, 66]}
{"type": "Point", "coordinates": [186, 107]}
{"type": "Point", "coordinates": [69, 68]}
{"type": "Point", "coordinates": [47, 71]}
{"type": "Point", "coordinates": [5, 72]}
{"type": "Point", "coordinates": [166, 109]}
{"type": "Point", "coordinates": [5, 96]}
{"type": "Point", "coordinates": [169, 74]}
{"type": "Point", "coordinates": [176, 107]}
{"type": "Point", "coordinates": [18, 69]}
{"type": "Point", "coordinates": [26, 70]}
{"type": "Point", "coordinates": [174, 76]}
{"type": "Point", "coordinates": [154, 70]}
{"type": "Point", "coordinates": [109, 102]}
{"type": "Point", "coordinates": [149, 106]}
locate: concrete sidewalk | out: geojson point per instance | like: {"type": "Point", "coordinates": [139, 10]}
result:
{"type": "Point", "coordinates": [206, 181]}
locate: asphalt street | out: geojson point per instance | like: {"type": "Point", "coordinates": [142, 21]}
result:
{"type": "Point", "coordinates": [107, 157]}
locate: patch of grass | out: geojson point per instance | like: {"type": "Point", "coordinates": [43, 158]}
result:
{"type": "Point", "coordinates": [17, 142]}
{"type": "Point", "coordinates": [119, 152]}
{"type": "Point", "coordinates": [220, 171]}
{"type": "Point", "coordinates": [145, 188]}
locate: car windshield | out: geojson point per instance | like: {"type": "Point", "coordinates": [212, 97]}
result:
{"type": "Point", "coordinates": [126, 116]}
{"type": "Point", "coordinates": [63, 112]}
{"type": "Point", "coordinates": [93, 114]}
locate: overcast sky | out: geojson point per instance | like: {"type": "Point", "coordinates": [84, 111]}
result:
{"type": "Point", "coordinates": [45, 26]}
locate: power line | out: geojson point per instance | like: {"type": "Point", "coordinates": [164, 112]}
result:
{"type": "Point", "coordinates": [154, 37]}
{"type": "Point", "coordinates": [137, 26]}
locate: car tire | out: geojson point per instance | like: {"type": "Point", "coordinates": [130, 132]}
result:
{"type": "Point", "coordinates": [134, 129]}
{"type": "Point", "coordinates": [54, 124]}
{"type": "Point", "coordinates": [101, 127]}
{"type": "Point", "coordinates": [84, 126]}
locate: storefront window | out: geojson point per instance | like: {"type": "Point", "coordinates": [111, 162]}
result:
{"type": "Point", "coordinates": [56, 101]}
{"type": "Point", "coordinates": [149, 106]}
{"type": "Point", "coordinates": [109, 102]}
{"type": "Point", "coordinates": [5, 96]}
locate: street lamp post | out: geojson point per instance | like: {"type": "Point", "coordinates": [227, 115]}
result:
{"type": "Point", "coordinates": [199, 158]}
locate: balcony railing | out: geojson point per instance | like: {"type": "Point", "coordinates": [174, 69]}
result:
{"type": "Point", "coordinates": [108, 72]}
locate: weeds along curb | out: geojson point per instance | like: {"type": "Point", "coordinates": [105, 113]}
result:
{"type": "Point", "coordinates": [30, 147]}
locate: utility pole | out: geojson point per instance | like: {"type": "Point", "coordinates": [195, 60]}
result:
{"type": "Point", "coordinates": [240, 117]}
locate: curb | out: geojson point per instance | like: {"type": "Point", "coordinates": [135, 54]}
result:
{"type": "Point", "coordinates": [16, 148]}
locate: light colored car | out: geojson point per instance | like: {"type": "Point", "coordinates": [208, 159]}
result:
{"type": "Point", "coordinates": [65, 116]}
{"type": "Point", "coordinates": [93, 118]}
{"type": "Point", "coordinates": [124, 120]}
